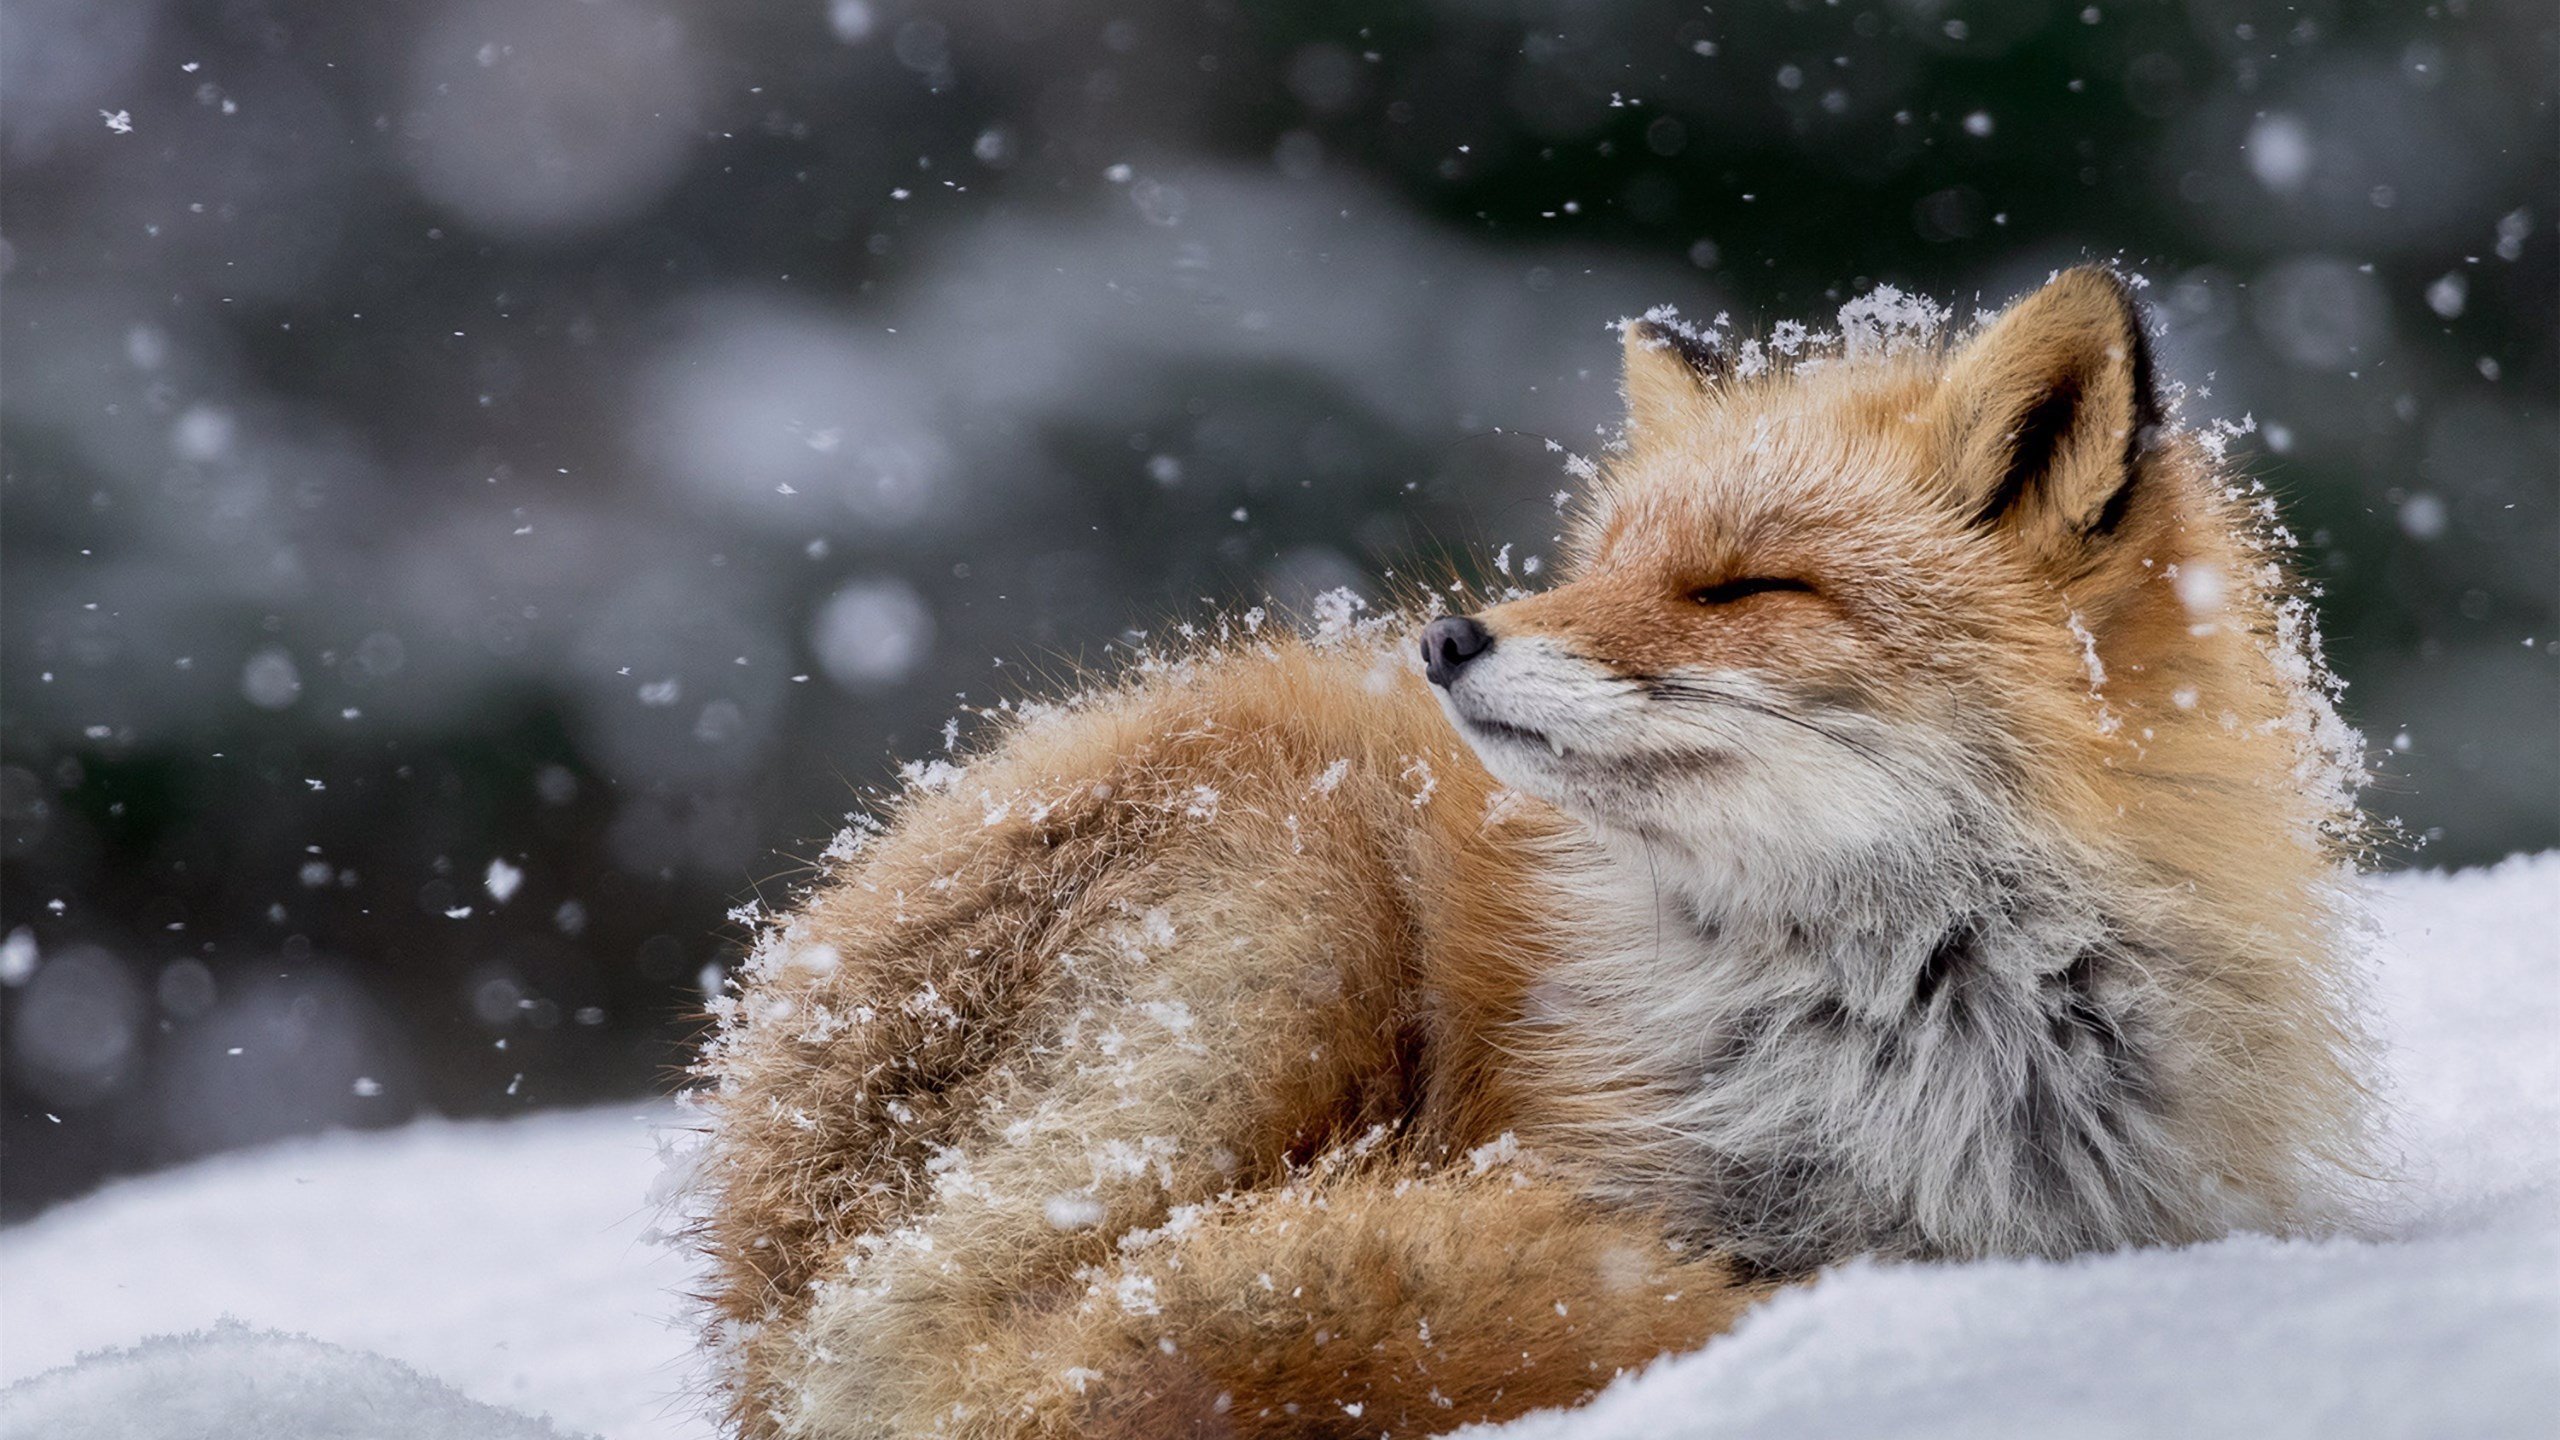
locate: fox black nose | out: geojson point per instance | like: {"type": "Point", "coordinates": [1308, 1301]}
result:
{"type": "Point", "coordinates": [1448, 643]}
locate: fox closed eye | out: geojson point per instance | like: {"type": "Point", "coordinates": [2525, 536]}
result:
{"type": "Point", "coordinates": [1725, 592]}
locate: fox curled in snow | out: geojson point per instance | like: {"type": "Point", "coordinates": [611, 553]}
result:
{"type": "Point", "coordinates": [1915, 826]}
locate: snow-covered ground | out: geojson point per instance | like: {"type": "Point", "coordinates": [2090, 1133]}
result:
{"type": "Point", "coordinates": [509, 1262]}
{"type": "Point", "coordinates": [507, 1259]}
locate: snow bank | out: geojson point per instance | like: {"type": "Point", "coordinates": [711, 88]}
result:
{"type": "Point", "coordinates": [508, 1261]}
{"type": "Point", "coordinates": [235, 1381]}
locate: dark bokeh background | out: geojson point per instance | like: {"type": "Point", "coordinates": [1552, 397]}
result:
{"type": "Point", "coordinates": [485, 482]}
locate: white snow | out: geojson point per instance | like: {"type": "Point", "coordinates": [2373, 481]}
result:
{"type": "Point", "coordinates": [18, 957]}
{"type": "Point", "coordinates": [872, 633]}
{"type": "Point", "coordinates": [2280, 153]}
{"type": "Point", "coordinates": [508, 1260]}
{"type": "Point", "coordinates": [2422, 516]}
{"type": "Point", "coordinates": [1073, 1211]}
{"type": "Point", "coordinates": [2201, 588]}
{"type": "Point", "coordinates": [270, 680]}
{"type": "Point", "coordinates": [851, 20]}
{"type": "Point", "coordinates": [1336, 612]}
{"type": "Point", "coordinates": [2513, 227]}
{"type": "Point", "coordinates": [502, 880]}
{"type": "Point", "coordinates": [234, 1381]}
{"type": "Point", "coordinates": [2446, 294]}
{"type": "Point", "coordinates": [1888, 321]}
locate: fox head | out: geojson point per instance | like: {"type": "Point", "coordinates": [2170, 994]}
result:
{"type": "Point", "coordinates": [1824, 613]}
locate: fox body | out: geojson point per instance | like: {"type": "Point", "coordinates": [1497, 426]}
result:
{"type": "Point", "coordinates": [1913, 826]}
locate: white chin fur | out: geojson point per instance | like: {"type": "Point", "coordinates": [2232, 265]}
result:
{"type": "Point", "coordinates": [1744, 794]}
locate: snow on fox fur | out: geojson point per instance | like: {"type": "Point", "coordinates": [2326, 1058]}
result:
{"type": "Point", "coordinates": [1914, 826]}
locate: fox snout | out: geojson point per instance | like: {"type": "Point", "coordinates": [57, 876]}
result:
{"type": "Point", "coordinates": [1448, 643]}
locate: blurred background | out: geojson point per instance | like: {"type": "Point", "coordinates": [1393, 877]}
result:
{"type": "Point", "coordinates": [485, 485]}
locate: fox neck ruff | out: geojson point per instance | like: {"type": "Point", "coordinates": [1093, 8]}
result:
{"type": "Point", "coordinates": [1951, 1051]}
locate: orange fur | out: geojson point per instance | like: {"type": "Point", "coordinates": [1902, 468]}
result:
{"type": "Point", "coordinates": [1170, 1070]}
{"type": "Point", "coordinates": [1329, 993]}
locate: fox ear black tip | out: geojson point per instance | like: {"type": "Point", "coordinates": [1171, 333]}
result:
{"type": "Point", "coordinates": [1642, 335]}
{"type": "Point", "coordinates": [1699, 351]}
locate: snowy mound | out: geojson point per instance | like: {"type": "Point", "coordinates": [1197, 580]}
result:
{"type": "Point", "coordinates": [509, 1261]}
{"type": "Point", "coordinates": [232, 1380]}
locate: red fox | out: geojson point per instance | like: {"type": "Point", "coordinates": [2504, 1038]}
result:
{"type": "Point", "coordinates": [1915, 826]}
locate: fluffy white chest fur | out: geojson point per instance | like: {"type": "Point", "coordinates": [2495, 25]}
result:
{"type": "Point", "coordinates": [1965, 1059]}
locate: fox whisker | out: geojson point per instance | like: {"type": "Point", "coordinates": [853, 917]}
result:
{"type": "Point", "coordinates": [1683, 692]}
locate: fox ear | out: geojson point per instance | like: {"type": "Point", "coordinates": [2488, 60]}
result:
{"type": "Point", "coordinates": [2045, 415]}
{"type": "Point", "coordinates": [1669, 366]}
